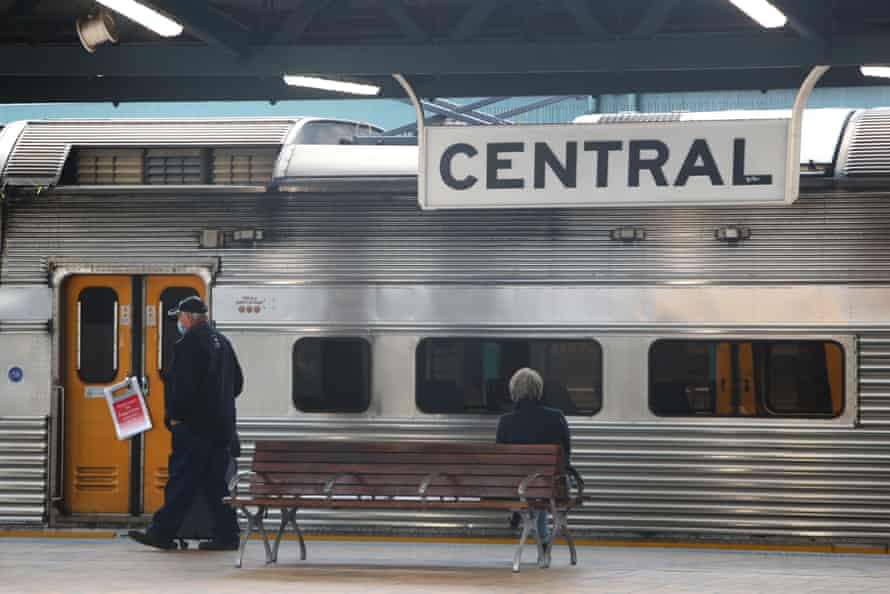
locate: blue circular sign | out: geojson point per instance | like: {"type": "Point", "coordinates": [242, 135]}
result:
{"type": "Point", "coordinates": [16, 374]}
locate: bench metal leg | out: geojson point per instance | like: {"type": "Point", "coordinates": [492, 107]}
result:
{"type": "Point", "coordinates": [543, 552]}
{"type": "Point", "coordinates": [561, 526]}
{"type": "Point", "coordinates": [528, 526]}
{"type": "Point", "coordinates": [262, 530]}
{"type": "Point", "coordinates": [254, 522]}
{"type": "Point", "coordinates": [289, 516]}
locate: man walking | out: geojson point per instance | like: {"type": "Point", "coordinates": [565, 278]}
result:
{"type": "Point", "coordinates": [199, 401]}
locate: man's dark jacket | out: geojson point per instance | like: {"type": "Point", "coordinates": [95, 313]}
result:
{"type": "Point", "coordinates": [202, 383]}
{"type": "Point", "coordinates": [532, 422]}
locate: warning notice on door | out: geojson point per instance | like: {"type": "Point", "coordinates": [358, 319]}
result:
{"type": "Point", "coordinates": [127, 407]}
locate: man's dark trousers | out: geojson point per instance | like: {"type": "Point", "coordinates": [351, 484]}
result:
{"type": "Point", "coordinates": [195, 463]}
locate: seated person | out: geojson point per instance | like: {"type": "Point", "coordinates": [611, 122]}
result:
{"type": "Point", "coordinates": [532, 422]}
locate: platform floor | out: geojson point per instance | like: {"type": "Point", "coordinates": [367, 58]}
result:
{"type": "Point", "coordinates": [90, 566]}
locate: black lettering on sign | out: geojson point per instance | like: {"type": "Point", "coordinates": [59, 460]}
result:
{"type": "Point", "coordinates": [567, 173]}
{"type": "Point", "coordinates": [445, 166]}
{"type": "Point", "coordinates": [602, 158]}
{"type": "Point", "coordinates": [655, 165]}
{"type": "Point", "coordinates": [691, 168]}
{"type": "Point", "coordinates": [739, 177]}
{"type": "Point", "coordinates": [495, 164]}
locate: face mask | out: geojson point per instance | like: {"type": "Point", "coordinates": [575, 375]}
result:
{"type": "Point", "coordinates": [180, 328]}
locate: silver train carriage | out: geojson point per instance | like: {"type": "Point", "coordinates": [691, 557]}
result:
{"type": "Point", "coordinates": [725, 370]}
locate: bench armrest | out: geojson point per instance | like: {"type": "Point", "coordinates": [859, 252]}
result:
{"type": "Point", "coordinates": [328, 488]}
{"type": "Point", "coordinates": [579, 482]}
{"type": "Point", "coordinates": [427, 481]}
{"type": "Point", "coordinates": [523, 485]}
{"type": "Point", "coordinates": [236, 480]}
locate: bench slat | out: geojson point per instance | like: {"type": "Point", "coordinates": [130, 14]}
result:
{"type": "Point", "coordinates": [431, 447]}
{"type": "Point", "coordinates": [398, 479]}
{"type": "Point", "coordinates": [403, 458]}
{"type": "Point", "coordinates": [398, 490]}
{"type": "Point", "coordinates": [333, 469]}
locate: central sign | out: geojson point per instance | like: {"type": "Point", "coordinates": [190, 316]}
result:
{"type": "Point", "coordinates": [653, 164]}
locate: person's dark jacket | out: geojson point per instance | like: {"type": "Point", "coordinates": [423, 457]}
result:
{"type": "Point", "coordinates": [532, 422]}
{"type": "Point", "coordinates": [202, 383]}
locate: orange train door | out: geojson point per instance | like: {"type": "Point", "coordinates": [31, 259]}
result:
{"type": "Point", "coordinates": [96, 353]}
{"type": "Point", "coordinates": [101, 346]}
{"type": "Point", "coordinates": [161, 294]}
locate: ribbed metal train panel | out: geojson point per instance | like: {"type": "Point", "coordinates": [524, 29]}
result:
{"type": "Point", "coordinates": [23, 470]}
{"type": "Point", "coordinates": [348, 238]}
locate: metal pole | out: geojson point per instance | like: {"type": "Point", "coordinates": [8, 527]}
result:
{"type": "Point", "coordinates": [792, 166]}
{"type": "Point", "coordinates": [418, 113]}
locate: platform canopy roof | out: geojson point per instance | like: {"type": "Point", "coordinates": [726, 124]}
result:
{"type": "Point", "coordinates": [239, 49]}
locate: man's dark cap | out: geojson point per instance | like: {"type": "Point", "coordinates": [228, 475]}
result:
{"type": "Point", "coordinates": [191, 304]}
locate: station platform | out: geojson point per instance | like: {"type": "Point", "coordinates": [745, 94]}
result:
{"type": "Point", "coordinates": [117, 565]}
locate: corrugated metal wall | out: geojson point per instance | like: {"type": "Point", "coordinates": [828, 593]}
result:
{"type": "Point", "coordinates": [355, 238]}
{"type": "Point", "coordinates": [23, 470]}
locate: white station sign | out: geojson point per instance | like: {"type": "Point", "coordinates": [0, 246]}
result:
{"type": "Point", "coordinates": [654, 164]}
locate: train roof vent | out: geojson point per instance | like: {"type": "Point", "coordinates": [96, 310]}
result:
{"type": "Point", "coordinates": [44, 149]}
{"type": "Point", "coordinates": [108, 166]}
{"type": "Point", "coordinates": [244, 166]}
{"type": "Point", "coordinates": [867, 151]}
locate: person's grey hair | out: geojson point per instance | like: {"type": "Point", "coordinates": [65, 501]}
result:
{"type": "Point", "coordinates": [526, 384]}
{"type": "Point", "coordinates": [197, 317]}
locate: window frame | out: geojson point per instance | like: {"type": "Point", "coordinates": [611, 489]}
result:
{"type": "Point", "coordinates": [369, 387]}
{"type": "Point", "coordinates": [601, 385]}
{"type": "Point", "coordinates": [849, 380]}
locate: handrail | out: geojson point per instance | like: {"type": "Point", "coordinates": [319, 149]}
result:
{"type": "Point", "coordinates": [236, 480]}
{"type": "Point", "coordinates": [579, 482]}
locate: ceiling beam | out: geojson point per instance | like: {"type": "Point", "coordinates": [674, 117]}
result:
{"type": "Point", "coordinates": [730, 52]}
{"type": "Point", "coordinates": [473, 19]}
{"type": "Point", "coordinates": [207, 24]}
{"type": "Point", "coordinates": [108, 89]}
{"type": "Point", "coordinates": [810, 20]}
{"type": "Point", "coordinates": [298, 21]}
{"type": "Point", "coordinates": [587, 23]}
{"type": "Point", "coordinates": [407, 25]}
{"type": "Point", "coordinates": [654, 18]}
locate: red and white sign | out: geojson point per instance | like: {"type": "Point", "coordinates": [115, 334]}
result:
{"type": "Point", "coordinates": [127, 407]}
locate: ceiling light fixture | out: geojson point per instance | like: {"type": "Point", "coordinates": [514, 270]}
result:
{"type": "Point", "coordinates": [879, 71]}
{"type": "Point", "coordinates": [145, 16]}
{"type": "Point", "coordinates": [96, 29]}
{"type": "Point", "coordinates": [763, 12]}
{"type": "Point", "coordinates": [326, 84]}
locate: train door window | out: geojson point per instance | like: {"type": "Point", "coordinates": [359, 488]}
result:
{"type": "Point", "coordinates": [332, 374]}
{"type": "Point", "coordinates": [760, 378]}
{"type": "Point", "coordinates": [97, 334]}
{"type": "Point", "coordinates": [168, 333]}
{"type": "Point", "coordinates": [470, 375]}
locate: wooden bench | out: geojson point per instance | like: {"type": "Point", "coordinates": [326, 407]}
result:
{"type": "Point", "coordinates": [299, 475]}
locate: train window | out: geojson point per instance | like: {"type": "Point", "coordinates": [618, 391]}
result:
{"type": "Point", "coordinates": [332, 374]}
{"type": "Point", "coordinates": [97, 330]}
{"type": "Point", "coordinates": [168, 333]}
{"type": "Point", "coordinates": [738, 378]}
{"type": "Point", "coordinates": [470, 375]}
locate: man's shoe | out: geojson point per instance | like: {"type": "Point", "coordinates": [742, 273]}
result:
{"type": "Point", "coordinates": [149, 540]}
{"type": "Point", "coordinates": [216, 545]}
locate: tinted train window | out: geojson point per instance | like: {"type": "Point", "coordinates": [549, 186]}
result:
{"type": "Point", "coordinates": [97, 319]}
{"type": "Point", "coordinates": [332, 374]}
{"type": "Point", "coordinates": [757, 378]}
{"type": "Point", "coordinates": [470, 375]}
